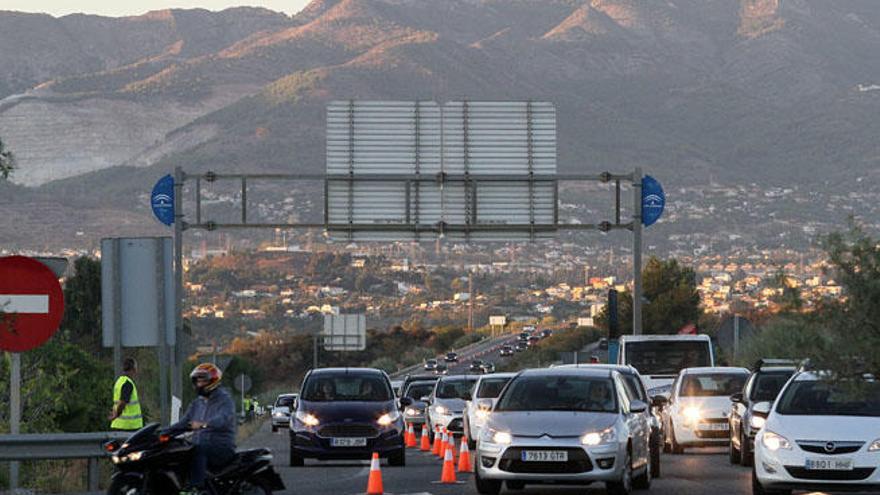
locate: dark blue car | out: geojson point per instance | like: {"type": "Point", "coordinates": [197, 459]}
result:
{"type": "Point", "coordinates": [347, 413]}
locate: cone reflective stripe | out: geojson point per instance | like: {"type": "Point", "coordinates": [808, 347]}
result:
{"type": "Point", "coordinates": [426, 442]}
{"type": "Point", "coordinates": [464, 458]}
{"type": "Point", "coordinates": [444, 443]}
{"type": "Point", "coordinates": [436, 450]}
{"type": "Point", "coordinates": [447, 476]}
{"type": "Point", "coordinates": [410, 436]}
{"type": "Point", "coordinates": [374, 483]}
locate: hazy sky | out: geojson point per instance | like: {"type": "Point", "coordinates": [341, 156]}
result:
{"type": "Point", "coordinates": [135, 7]}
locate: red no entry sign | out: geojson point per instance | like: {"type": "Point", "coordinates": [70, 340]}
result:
{"type": "Point", "coordinates": [31, 301]}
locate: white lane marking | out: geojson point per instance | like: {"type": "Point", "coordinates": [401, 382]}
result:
{"type": "Point", "coordinates": [20, 303]}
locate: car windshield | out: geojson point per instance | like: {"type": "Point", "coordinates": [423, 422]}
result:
{"type": "Point", "coordinates": [418, 390]}
{"type": "Point", "coordinates": [285, 401]}
{"type": "Point", "coordinates": [814, 398]}
{"type": "Point", "coordinates": [455, 389]}
{"type": "Point", "coordinates": [559, 393]}
{"type": "Point", "coordinates": [768, 385]}
{"type": "Point", "coordinates": [347, 387]}
{"type": "Point", "coordinates": [659, 357]}
{"type": "Point", "coordinates": [712, 385]}
{"type": "Point", "coordinates": [491, 388]}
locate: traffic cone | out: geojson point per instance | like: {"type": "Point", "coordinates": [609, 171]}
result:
{"type": "Point", "coordinates": [426, 442]}
{"type": "Point", "coordinates": [444, 443]}
{"type": "Point", "coordinates": [447, 476]}
{"type": "Point", "coordinates": [464, 458]}
{"type": "Point", "coordinates": [436, 450]}
{"type": "Point", "coordinates": [374, 483]}
{"type": "Point", "coordinates": [410, 436]}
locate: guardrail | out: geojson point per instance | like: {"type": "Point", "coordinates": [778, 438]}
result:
{"type": "Point", "coordinates": [55, 446]}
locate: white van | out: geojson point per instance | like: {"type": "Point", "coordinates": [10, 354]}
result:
{"type": "Point", "coordinates": [659, 358]}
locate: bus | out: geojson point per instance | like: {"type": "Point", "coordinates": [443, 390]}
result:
{"type": "Point", "coordinates": [659, 358]}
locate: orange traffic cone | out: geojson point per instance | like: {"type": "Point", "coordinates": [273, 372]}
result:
{"type": "Point", "coordinates": [426, 442]}
{"type": "Point", "coordinates": [437, 438]}
{"type": "Point", "coordinates": [374, 484]}
{"type": "Point", "coordinates": [447, 476]}
{"type": "Point", "coordinates": [410, 436]}
{"type": "Point", "coordinates": [444, 443]}
{"type": "Point", "coordinates": [464, 458]}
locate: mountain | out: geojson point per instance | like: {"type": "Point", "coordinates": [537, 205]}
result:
{"type": "Point", "coordinates": [694, 90]}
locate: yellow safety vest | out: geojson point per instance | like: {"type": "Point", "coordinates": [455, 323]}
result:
{"type": "Point", "coordinates": [131, 417]}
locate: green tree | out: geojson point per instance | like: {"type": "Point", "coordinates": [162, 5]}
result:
{"type": "Point", "coordinates": [82, 304]}
{"type": "Point", "coordinates": [7, 162]}
{"type": "Point", "coordinates": [671, 300]}
{"type": "Point", "coordinates": [789, 297]}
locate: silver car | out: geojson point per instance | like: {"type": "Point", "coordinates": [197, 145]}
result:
{"type": "Point", "coordinates": [565, 426]}
{"type": "Point", "coordinates": [447, 402]}
{"type": "Point", "coordinates": [281, 411]}
{"type": "Point", "coordinates": [487, 387]}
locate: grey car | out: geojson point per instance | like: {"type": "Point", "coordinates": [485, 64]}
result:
{"type": "Point", "coordinates": [565, 426]}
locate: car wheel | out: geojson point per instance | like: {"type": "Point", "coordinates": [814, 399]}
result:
{"type": "Point", "coordinates": [746, 457]}
{"type": "Point", "coordinates": [397, 459]}
{"type": "Point", "coordinates": [655, 456]}
{"type": "Point", "coordinates": [295, 460]}
{"type": "Point", "coordinates": [624, 486]}
{"type": "Point", "coordinates": [486, 487]}
{"type": "Point", "coordinates": [758, 489]}
{"type": "Point", "coordinates": [677, 449]}
{"type": "Point", "coordinates": [733, 453]}
{"type": "Point", "coordinates": [643, 481]}
{"type": "Point", "coordinates": [516, 485]}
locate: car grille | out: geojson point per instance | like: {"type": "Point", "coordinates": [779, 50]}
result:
{"type": "Point", "coordinates": [713, 420]}
{"type": "Point", "coordinates": [348, 431]}
{"type": "Point", "coordinates": [712, 434]}
{"type": "Point", "coordinates": [839, 447]}
{"type": "Point", "coordinates": [578, 462]}
{"type": "Point", "coordinates": [856, 474]}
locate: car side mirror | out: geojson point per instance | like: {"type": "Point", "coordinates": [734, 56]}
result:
{"type": "Point", "coordinates": [637, 406]}
{"type": "Point", "coordinates": [762, 408]}
{"type": "Point", "coordinates": [295, 405]}
{"type": "Point", "coordinates": [426, 398]}
{"type": "Point", "coordinates": [405, 401]}
{"type": "Point", "coordinates": [659, 401]}
{"type": "Point", "coordinates": [737, 398]}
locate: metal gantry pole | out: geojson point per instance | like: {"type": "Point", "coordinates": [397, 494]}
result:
{"type": "Point", "coordinates": [637, 251]}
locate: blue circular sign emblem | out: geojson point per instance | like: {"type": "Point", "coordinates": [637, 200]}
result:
{"type": "Point", "coordinates": [162, 200]}
{"type": "Point", "coordinates": [653, 200]}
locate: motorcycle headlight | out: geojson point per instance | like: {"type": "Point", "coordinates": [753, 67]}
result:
{"type": "Point", "coordinates": [875, 446]}
{"type": "Point", "coordinates": [691, 414]}
{"type": "Point", "coordinates": [134, 456]}
{"type": "Point", "coordinates": [757, 422]}
{"type": "Point", "coordinates": [441, 410]}
{"type": "Point", "coordinates": [775, 441]}
{"type": "Point", "coordinates": [307, 419]}
{"type": "Point", "coordinates": [594, 438]}
{"type": "Point", "coordinates": [388, 418]}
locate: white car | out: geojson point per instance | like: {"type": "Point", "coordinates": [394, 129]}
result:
{"type": "Point", "coordinates": [699, 406]}
{"type": "Point", "coordinates": [565, 426]}
{"type": "Point", "coordinates": [447, 402]}
{"type": "Point", "coordinates": [819, 437]}
{"type": "Point", "coordinates": [487, 387]}
{"type": "Point", "coordinates": [281, 411]}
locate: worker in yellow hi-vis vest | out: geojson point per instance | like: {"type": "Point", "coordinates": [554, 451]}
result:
{"type": "Point", "coordinates": [126, 414]}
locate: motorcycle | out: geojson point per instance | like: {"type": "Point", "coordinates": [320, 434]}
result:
{"type": "Point", "coordinates": [153, 461]}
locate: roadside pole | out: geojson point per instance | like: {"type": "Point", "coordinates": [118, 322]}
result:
{"type": "Point", "coordinates": [637, 251]}
{"type": "Point", "coordinates": [179, 347]}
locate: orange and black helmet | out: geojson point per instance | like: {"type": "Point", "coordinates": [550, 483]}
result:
{"type": "Point", "coordinates": [208, 371]}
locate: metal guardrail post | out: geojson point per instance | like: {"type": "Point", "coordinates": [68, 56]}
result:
{"type": "Point", "coordinates": [93, 474]}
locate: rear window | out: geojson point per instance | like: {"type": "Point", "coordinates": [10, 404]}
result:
{"type": "Point", "coordinates": [347, 387]}
{"type": "Point", "coordinates": [491, 388]}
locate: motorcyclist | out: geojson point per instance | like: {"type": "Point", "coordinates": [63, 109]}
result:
{"type": "Point", "coordinates": [211, 416]}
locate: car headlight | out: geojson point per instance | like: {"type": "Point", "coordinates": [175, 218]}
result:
{"type": "Point", "coordinates": [307, 419]}
{"type": "Point", "coordinates": [411, 411]}
{"type": "Point", "coordinates": [278, 414]}
{"type": "Point", "coordinates": [691, 414]}
{"type": "Point", "coordinates": [594, 438]}
{"type": "Point", "coordinates": [875, 446]}
{"type": "Point", "coordinates": [482, 414]}
{"type": "Point", "coordinates": [441, 410]}
{"type": "Point", "coordinates": [388, 418]}
{"type": "Point", "coordinates": [757, 422]}
{"type": "Point", "coordinates": [775, 441]}
{"type": "Point", "coordinates": [502, 437]}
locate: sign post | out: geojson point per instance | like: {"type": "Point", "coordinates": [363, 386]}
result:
{"type": "Point", "coordinates": [31, 307]}
{"type": "Point", "coordinates": [650, 201]}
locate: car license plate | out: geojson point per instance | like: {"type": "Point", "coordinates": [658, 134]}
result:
{"type": "Point", "coordinates": [714, 426]}
{"type": "Point", "coordinates": [544, 456]}
{"type": "Point", "coordinates": [829, 464]}
{"type": "Point", "coordinates": [348, 442]}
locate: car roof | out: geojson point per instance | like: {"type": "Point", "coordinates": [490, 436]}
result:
{"type": "Point", "coordinates": [776, 369]}
{"type": "Point", "coordinates": [496, 375]}
{"type": "Point", "coordinates": [707, 370]}
{"type": "Point", "coordinates": [287, 395]}
{"type": "Point", "coordinates": [353, 371]}
{"type": "Point", "coordinates": [573, 371]}
{"type": "Point", "coordinates": [465, 376]}
{"type": "Point", "coordinates": [671, 338]}
{"type": "Point", "coordinates": [622, 368]}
